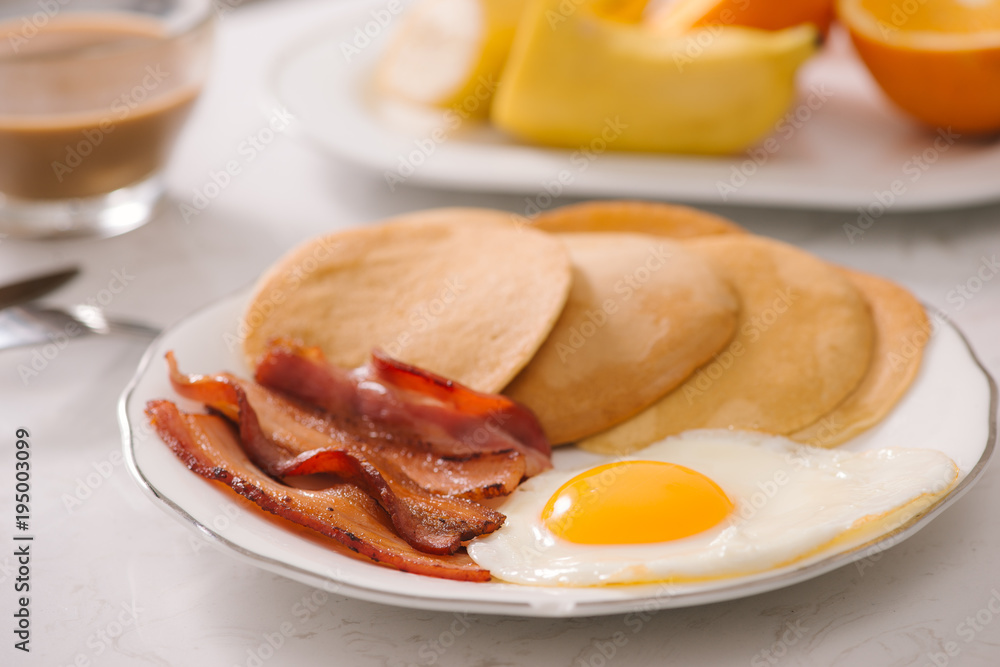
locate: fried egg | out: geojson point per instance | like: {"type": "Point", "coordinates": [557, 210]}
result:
{"type": "Point", "coordinates": [706, 505]}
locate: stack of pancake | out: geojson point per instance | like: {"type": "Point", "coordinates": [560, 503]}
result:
{"type": "Point", "coordinates": [617, 323]}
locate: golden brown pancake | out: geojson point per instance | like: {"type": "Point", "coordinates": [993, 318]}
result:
{"type": "Point", "coordinates": [803, 343]}
{"type": "Point", "coordinates": [642, 314]}
{"type": "Point", "coordinates": [901, 332]}
{"type": "Point", "coordinates": [680, 222]}
{"type": "Point", "coordinates": [468, 293]}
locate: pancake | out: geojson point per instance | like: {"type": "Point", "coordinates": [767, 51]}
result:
{"type": "Point", "coordinates": [901, 332]}
{"type": "Point", "coordinates": [643, 313]}
{"type": "Point", "coordinates": [680, 222]}
{"type": "Point", "coordinates": [467, 293]}
{"type": "Point", "coordinates": [803, 343]}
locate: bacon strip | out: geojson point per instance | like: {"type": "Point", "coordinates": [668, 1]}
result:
{"type": "Point", "coordinates": [430, 522]}
{"type": "Point", "coordinates": [456, 420]}
{"type": "Point", "coordinates": [297, 429]}
{"type": "Point", "coordinates": [208, 446]}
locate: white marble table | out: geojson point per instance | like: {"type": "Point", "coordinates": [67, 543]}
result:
{"type": "Point", "coordinates": [115, 581]}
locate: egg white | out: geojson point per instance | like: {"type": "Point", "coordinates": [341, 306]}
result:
{"type": "Point", "coordinates": [790, 500]}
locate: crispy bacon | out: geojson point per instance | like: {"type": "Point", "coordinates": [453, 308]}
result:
{"type": "Point", "coordinates": [209, 447]}
{"type": "Point", "coordinates": [430, 522]}
{"type": "Point", "coordinates": [386, 393]}
{"type": "Point", "coordinates": [298, 429]}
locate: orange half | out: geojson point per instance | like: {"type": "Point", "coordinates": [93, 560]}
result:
{"type": "Point", "coordinates": [938, 60]}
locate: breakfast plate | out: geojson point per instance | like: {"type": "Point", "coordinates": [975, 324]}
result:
{"type": "Point", "coordinates": [950, 407]}
{"type": "Point", "coordinates": [841, 146]}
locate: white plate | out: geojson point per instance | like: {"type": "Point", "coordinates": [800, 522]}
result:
{"type": "Point", "coordinates": [841, 146]}
{"type": "Point", "coordinates": [950, 408]}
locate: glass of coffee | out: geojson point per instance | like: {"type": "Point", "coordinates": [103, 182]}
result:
{"type": "Point", "coordinates": [93, 94]}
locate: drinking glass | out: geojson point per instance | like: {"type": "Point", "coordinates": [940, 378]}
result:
{"type": "Point", "coordinates": [93, 94]}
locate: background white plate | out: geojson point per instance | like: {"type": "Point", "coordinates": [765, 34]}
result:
{"type": "Point", "coordinates": [841, 147]}
{"type": "Point", "coordinates": [950, 408]}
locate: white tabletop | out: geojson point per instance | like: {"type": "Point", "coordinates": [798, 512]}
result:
{"type": "Point", "coordinates": [116, 581]}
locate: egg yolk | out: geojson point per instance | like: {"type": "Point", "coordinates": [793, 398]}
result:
{"type": "Point", "coordinates": [635, 502]}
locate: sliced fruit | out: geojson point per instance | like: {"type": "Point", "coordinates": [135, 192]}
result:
{"type": "Point", "coordinates": [938, 60]}
{"type": "Point", "coordinates": [581, 80]}
{"type": "Point", "coordinates": [450, 52]}
{"type": "Point", "coordinates": [673, 17]}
